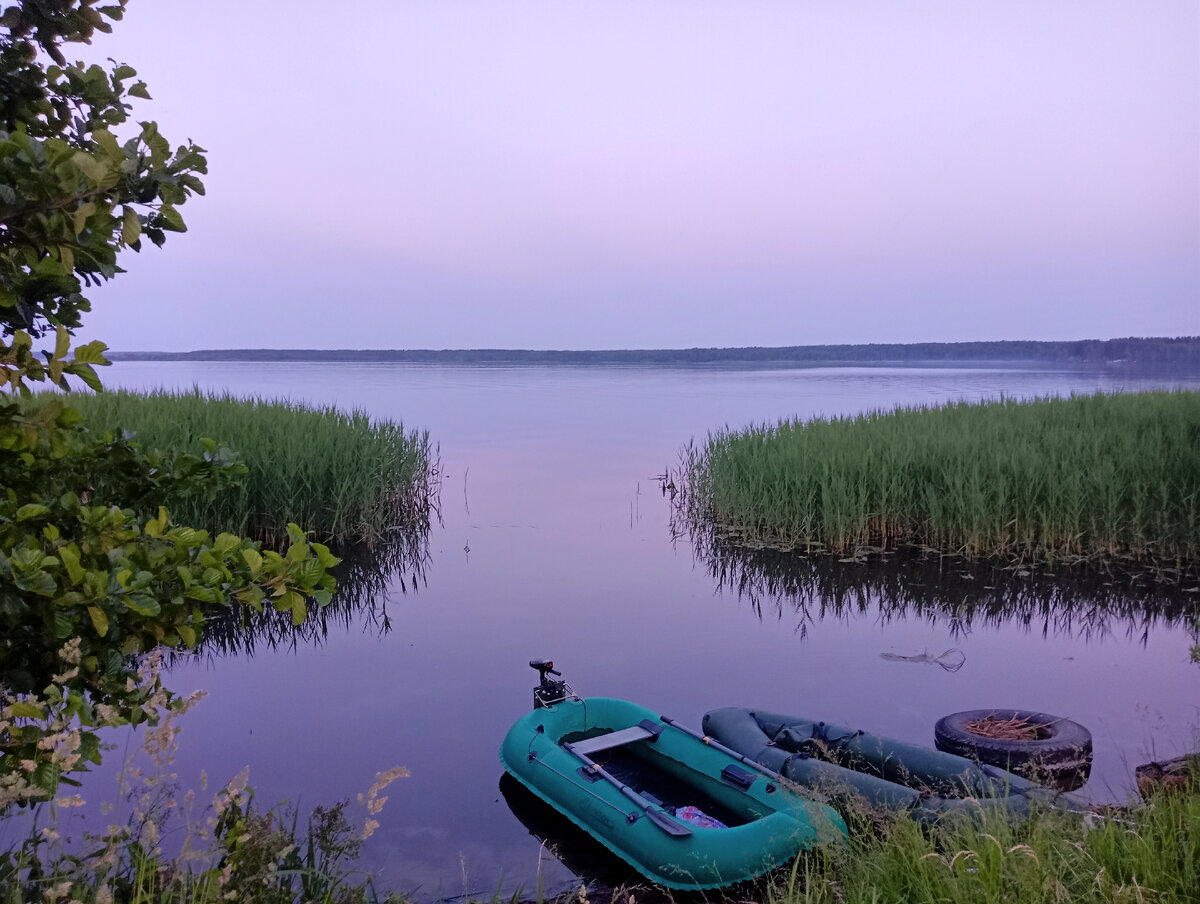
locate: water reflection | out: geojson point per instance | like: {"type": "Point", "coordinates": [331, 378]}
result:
{"type": "Point", "coordinates": [366, 579]}
{"type": "Point", "coordinates": [1078, 602]}
{"type": "Point", "coordinates": [570, 845]}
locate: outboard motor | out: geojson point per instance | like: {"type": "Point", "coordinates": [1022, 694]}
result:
{"type": "Point", "coordinates": [548, 692]}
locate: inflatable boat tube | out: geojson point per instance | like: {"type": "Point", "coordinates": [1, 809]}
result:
{"type": "Point", "coordinates": [834, 760]}
{"type": "Point", "coordinates": [681, 812]}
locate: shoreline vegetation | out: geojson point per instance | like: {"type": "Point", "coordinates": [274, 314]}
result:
{"type": "Point", "coordinates": [1178, 354]}
{"type": "Point", "coordinates": [344, 477]}
{"type": "Point", "coordinates": [1110, 479]}
{"type": "Point", "coordinates": [1146, 851]}
{"type": "Point", "coordinates": [1149, 851]}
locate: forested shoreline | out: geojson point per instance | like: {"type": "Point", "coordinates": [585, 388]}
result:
{"type": "Point", "coordinates": [1179, 353]}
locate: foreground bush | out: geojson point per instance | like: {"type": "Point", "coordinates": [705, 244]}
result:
{"type": "Point", "coordinates": [172, 847]}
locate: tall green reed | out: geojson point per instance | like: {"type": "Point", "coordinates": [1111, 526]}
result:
{"type": "Point", "coordinates": [1087, 477]}
{"type": "Point", "coordinates": [342, 475]}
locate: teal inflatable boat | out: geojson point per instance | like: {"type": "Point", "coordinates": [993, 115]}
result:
{"type": "Point", "coordinates": [681, 810]}
{"type": "Point", "coordinates": [835, 761]}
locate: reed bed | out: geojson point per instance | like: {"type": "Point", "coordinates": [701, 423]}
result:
{"type": "Point", "coordinates": [341, 475]}
{"type": "Point", "coordinates": [1097, 477]}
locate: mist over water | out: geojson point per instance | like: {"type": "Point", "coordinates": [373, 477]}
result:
{"type": "Point", "coordinates": [555, 541]}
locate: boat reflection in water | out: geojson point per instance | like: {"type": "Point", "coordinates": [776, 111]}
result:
{"type": "Point", "coordinates": [570, 845]}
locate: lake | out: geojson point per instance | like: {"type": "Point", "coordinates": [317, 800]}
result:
{"type": "Point", "coordinates": [555, 541]}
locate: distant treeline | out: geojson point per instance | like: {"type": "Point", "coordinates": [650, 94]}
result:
{"type": "Point", "coordinates": [1178, 353]}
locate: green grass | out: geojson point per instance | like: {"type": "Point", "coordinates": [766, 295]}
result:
{"type": "Point", "coordinates": [250, 857]}
{"type": "Point", "coordinates": [1148, 853]}
{"type": "Point", "coordinates": [1100, 477]}
{"type": "Point", "coordinates": [345, 477]}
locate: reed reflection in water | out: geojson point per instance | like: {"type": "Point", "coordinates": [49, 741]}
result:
{"type": "Point", "coordinates": [1079, 603]}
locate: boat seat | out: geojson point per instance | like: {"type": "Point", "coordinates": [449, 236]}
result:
{"type": "Point", "coordinates": [643, 731]}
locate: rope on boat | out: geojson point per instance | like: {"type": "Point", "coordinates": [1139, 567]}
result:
{"type": "Point", "coordinates": [629, 817]}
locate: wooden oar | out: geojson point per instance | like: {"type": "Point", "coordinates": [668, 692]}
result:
{"type": "Point", "coordinates": [668, 824]}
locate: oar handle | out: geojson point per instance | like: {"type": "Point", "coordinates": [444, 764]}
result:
{"type": "Point", "coordinates": [656, 816]}
{"type": "Point", "coordinates": [717, 745]}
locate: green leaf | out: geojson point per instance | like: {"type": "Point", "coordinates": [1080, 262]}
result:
{"type": "Point", "coordinates": [62, 342]}
{"type": "Point", "coordinates": [131, 226]}
{"type": "Point", "coordinates": [108, 143]}
{"type": "Point", "coordinates": [82, 212]}
{"type": "Point", "coordinates": [70, 558]}
{"type": "Point", "coordinates": [203, 594]}
{"type": "Point", "coordinates": [46, 776]}
{"type": "Point", "coordinates": [254, 560]}
{"type": "Point", "coordinates": [139, 90]}
{"type": "Point", "coordinates": [99, 619]}
{"type": "Point", "coordinates": [38, 582]}
{"type": "Point", "coordinates": [89, 747]}
{"type": "Point", "coordinates": [251, 596]}
{"type": "Point", "coordinates": [154, 527]}
{"type": "Point", "coordinates": [32, 510]}
{"type": "Point", "coordinates": [91, 353]}
{"type": "Point", "coordinates": [188, 635]}
{"type": "Point", "coordinates": [85, 373]}
{"type": "Point", "coordinates": [324, 556]}
{"type": "Point", "coordinates": [90, 166]}
{"type": "Point", "coordinates": [64, 625]}
{"type": "Point", "coordinates": [143, 604]}
{"type": "Point", "coordinates": [226, 544]}
{"type": "Point", "coordinates": [186, 536]}
{"type": "Point", "coordinates": [27, 710]}
{"type": "Point", "coordinates": [173, 217]}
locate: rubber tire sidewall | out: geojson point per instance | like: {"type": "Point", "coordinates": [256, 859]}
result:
{"type": "Point", "coordinates": [1069, 744]}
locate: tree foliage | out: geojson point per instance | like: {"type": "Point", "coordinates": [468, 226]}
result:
{"type": "Point", "coordinates": [94, 573]}
{"type": "Point", "coordinates": [74, 187]}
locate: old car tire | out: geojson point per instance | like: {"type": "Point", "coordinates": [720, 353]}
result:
{"type": "Point", "coordinates": [1061, 758]}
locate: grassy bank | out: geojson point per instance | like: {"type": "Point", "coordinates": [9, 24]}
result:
{"type": "Point", "coordinates": [1147, 852]}
{"type": "Point", "coordinates": [341, 475]}
{"type": "Point", "coordinates": [1102, 477]}
{"type": "Point", "coordinates": [1150, 852]}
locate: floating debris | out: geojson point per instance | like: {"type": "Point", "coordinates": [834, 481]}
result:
{"type": "Point", "coordinates": [952, 660]}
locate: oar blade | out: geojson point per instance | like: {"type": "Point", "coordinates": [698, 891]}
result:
{"type": "Point", "coordinates": [667, 823]}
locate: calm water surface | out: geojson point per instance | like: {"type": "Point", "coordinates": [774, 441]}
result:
{"type": "Point", "coordinates": [555, 543]}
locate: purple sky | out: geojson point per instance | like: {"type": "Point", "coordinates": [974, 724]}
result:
{"type": "Point", "coordinates": [442, 174]}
